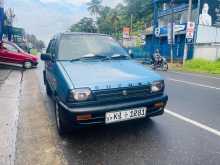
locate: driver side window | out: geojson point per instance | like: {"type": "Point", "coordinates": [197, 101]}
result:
{"type": "Point", "coordinates": [51, 48]}
{"type": "Point", "coordinates": [10, 48]}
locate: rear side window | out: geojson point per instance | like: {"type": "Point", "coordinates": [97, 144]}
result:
{"type": "Point", "coordinates": [10, 47]}
{"type": "Point", "coordinates": [49, 46]}
{"type": "Point", "coordinates": [52, 47]}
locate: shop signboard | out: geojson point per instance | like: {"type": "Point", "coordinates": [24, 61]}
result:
{"type": "Point", "coordinates": [209, 13]}
{"type": "Point", "coordinates": [169, 33]}
{"type": "Point", "coordinates": [190, 30]}
{"type": "Point", "coordinates": [126, 33]}
{"type": "Point", "coordinates": [157, 32]}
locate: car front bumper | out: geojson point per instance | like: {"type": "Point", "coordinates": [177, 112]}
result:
{"type": "Point", "coordinates": [98, 112]}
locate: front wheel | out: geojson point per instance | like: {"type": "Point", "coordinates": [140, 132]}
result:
{"type": "Point", "coordinates": [62, 126]}
{"type": "Point", "coordinates": [27, 65]}
{"type": "Point", "coordinates": [153, 66]}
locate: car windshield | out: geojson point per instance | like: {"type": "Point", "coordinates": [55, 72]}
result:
{"type": "Point", "coordinates": [17, 47]}
{"type": "Point", "coordinates": [79, 46]}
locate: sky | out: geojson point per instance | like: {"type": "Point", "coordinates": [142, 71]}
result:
{"type": "Point", "coordinates": [44, 18]}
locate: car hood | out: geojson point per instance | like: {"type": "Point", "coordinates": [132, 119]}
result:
{"type": "Point", "coordinates": [30, 55]}
{"type": "Point", "coordinates": [108, 74]}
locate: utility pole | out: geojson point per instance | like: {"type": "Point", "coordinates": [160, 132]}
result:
{"type": "Point", "coordinates": [1, 18]}
{"type": "Point", "coordinates": [172, 32]}
{"type": "Point", "coordinates": [131, 23]}
{"type": "Point", "coordinates": [189, 18]}
{"type": "Point", "coordinates": [10, 17]}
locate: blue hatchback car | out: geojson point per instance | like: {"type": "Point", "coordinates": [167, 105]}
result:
{"type": "Point", "coordinates": [93, 81]}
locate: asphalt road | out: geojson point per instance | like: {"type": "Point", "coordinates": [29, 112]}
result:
{"type": "Point", "coordinates": [187, 134]}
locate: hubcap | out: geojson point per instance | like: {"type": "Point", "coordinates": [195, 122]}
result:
{"type": "Point", "coordinates": [27, 65]}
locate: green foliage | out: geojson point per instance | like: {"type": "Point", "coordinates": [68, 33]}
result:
{"type": "Point", "coordinates": [140, 9]}
{"type": "Point", "coordinates": [34, 51]}
{"type": "Point", "coordinates": [35, 43]}
{"type": "Point", "coordinates": [202, 66]}
{"type": "Point", "coordinates": [84, 25]}
{"type": "Point", "coordinates": [112, 20]}
{"type": "Point", "coordinates": [94, 6]}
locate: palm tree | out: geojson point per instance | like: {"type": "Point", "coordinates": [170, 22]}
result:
{"type": "Point", "coordinates": [115, 20]}
{"type": "Point", "coordinates": [94, 7]}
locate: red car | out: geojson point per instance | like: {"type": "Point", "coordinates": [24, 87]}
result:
{"type": "Point", "coordinates": [13, 54]}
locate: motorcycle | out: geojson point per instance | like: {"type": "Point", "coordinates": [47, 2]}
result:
{"type": "Point", "coordinates": [161, 63]}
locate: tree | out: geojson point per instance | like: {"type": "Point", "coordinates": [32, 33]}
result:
{"type": "Point", "coordinates": [94, 7]}
{"type": "Point", "coordinates": [84, 25]}
{"type": "Point", "coordinates": [140, 9]}
{"type": "Point", "coordinates": [112, 20]}
{"type": "Point", "coordinates": [115, 19]}
{"type": "Point", "coordinates": [36, 44]}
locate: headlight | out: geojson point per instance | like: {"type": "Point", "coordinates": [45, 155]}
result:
{"type": "Point", "coordinates": [157, 86]}
{"type": "Point", "coordinates": [82, 94]}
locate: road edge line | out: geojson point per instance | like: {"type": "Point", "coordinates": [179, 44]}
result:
{"type": "Point", "coordinates": [193, 122]}
{"type": "Point", "coordinates": [193, 83]}
{"type": "Point", "coordinates": [195, 75]}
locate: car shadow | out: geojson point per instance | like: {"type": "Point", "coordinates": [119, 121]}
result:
{"type": "Point", "coordinates": [110, 144]}
{"type": "Point", "coordinates": [11, 67]}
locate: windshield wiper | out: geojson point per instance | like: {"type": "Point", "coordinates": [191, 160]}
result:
{"type": "Point", "coordinates": [89, 56]}
{"type": "Point", "coordinates": [119, 56]}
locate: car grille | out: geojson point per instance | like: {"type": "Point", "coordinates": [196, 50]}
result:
{"type": "Point", "coordinates": [130, 93]}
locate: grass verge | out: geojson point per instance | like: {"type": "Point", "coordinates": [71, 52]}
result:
{"type": "Point", "coordinates": [199, 66]}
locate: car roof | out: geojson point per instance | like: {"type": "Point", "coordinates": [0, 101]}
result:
{"type": "Point", "coordinates": [78, 33]}
{"type": "Point", "coordinates": [82, 33]}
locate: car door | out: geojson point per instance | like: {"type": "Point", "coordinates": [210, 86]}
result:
{"type": "Point", "coordinates": [10, 54]}
{"type": "Point", "coordinates": [50, 65]}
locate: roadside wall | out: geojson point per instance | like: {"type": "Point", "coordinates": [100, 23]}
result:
{"type": "Point", "coordinates": [207, 43]}
{"type": "Point", "coordinates": [207, 51]}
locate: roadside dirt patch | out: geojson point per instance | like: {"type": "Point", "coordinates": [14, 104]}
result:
{"type": "Point", "coordinates": [35, 143]}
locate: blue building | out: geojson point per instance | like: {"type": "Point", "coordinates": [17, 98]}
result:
{"type": "Point", "coordinates": [205, 15]}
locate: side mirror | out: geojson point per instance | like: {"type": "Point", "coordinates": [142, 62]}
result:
{"type": "Point", "coordinates": [46, 57]}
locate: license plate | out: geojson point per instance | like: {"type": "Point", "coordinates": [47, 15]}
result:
{"type": "Point", "coordinates": [114, 117]}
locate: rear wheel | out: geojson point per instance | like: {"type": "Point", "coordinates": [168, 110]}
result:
{"type": "Point", "coordinates": [165, 67]}
{"type": "Point", "coordinates": [27, 65]}
{"type": "Point", "coordinates": [62, 126]}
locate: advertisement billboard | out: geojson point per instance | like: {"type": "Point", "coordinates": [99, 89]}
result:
{"type": "Point", "coordinates": [209, 13]}
{"type": "Point", "coordinates": [126, 32]}
{"type": "Point", "coordinates": [190, 32]}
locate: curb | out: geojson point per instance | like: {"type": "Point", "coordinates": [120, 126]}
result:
{"type": "Point", "coordinates": [9, 113]}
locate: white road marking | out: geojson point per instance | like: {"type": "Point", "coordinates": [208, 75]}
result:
{"type": "Point", "coordinates": [193, 83]}
{"type": "Point", "coordinates": [193, 122]}
{"type": "Point", "coordinates": [195, 75]}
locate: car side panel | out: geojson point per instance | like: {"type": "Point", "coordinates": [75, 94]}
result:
{"type": "Point", "coordinates": [13, 57]}
{"type": "Point", "coordinates": [58, 80]}
{"type": "Point", "coordinates": [8, 56]}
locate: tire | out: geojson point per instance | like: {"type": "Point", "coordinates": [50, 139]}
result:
{"type": "Point", "coordinates": [62, 125]}
{"type": "Point", "coordinates": [153, 67]}
{"type": "Point", "coordinates": [27, 65]}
